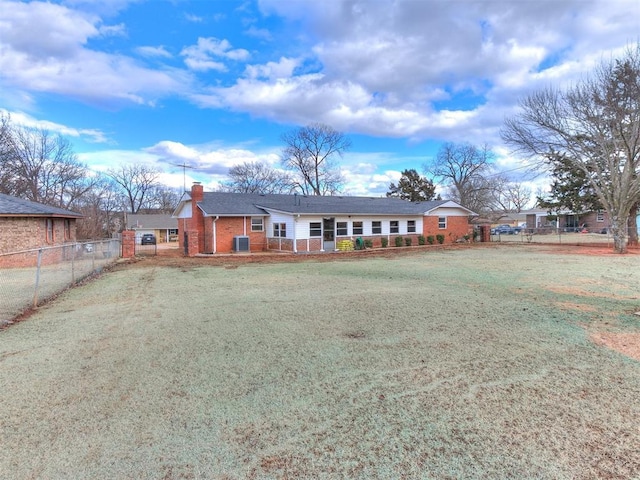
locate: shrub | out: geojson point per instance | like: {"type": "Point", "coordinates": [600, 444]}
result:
{"type": "Point", "coordinates": [398, 241]}
{"type": "Point", "coordinates": [421, 240]}
{"type": "Point", "coordinates": [368, 243]}
{"type": "Point", "coordinates": [385, 242]}
{"type": "Point", "coordinates": [431, 239]}
{"type": "Point", "coordinates": [407, 241]}
{"type": "Point", "coordinates": [440, 238]}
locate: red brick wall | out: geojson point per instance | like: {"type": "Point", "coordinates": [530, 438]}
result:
{"type": "Point", "coordinates": [197, 194]}
{"type": "Point", "coordinates": [457, 227]}
{"type": "Point", "coordinates": [193, 246]}
{"type": "Point", "coordinates": [228, 227]}
{"type": "Point", "coordinates": [25, 233]}
{"type": "Point", "coordinates": [128, 244]}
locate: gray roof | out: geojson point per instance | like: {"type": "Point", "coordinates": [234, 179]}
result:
{"type": "Point", "coordinates": [153, 221]}
{"type": "Point", "coordinates": [18, 207]}
{"type": "Point", "coordinates": [230, 204]}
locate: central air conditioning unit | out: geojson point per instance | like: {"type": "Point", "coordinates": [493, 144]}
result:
{"type": "Point", "coordinates": [241, 243]}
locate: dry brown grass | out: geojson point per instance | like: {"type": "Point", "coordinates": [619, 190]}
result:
{"type": "Point", "coordinates": [442, 363]}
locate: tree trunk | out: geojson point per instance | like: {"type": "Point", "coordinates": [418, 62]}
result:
{"type": "Point", "coordinates": [619, 232]}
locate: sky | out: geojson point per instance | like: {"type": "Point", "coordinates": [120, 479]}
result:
{"type": "Point", "coordinates": [193, 88]}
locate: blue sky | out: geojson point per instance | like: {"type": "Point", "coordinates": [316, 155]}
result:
{"type": "Point", "coordinates": [211, 84]}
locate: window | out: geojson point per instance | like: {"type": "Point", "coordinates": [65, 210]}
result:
{"type": "Point", "coordinates": [411, 226]}
{"type": "Point", "coordinates": [357, 228]}
{"type": "Point", "coordinates": [315, 229]}
{"type": "Point", "coordinates": [67, 229]}
{"type": "Point", "coordinates": [341, 228]}
{"type": "Point", "coordinates": [442, 222]}
{"type": "Point", "coordinates": [394, 226]}
{"type": "Point", "coordinates": [49, 230]}
{"type": "Point", "coordinates": [257, 224]}
{"type": "Point", "coordinates": [173, 231]}
{"type": "Point", "coordinates": [279, 229]}
{"type": "Point", "coordinates": [600, 216]}
{"type": "Point", "coordinates": [376, 228]}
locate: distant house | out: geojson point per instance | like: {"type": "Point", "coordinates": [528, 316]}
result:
{"type": "Point", "coordinates": [26, 225]}
{"type": "Point", "coordinates": [163, 226]}
{"type": "Point", "coordinates": [226, 222]}
{"type": "Point", "coordinates": [567, 221]}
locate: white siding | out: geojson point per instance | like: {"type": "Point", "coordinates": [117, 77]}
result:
{"type": "Point", "coordinates": [448, 212]}
{"type": "Point", "coordinates": [302, 225]}
{"type": "Point", "coordinates": [279, 218]}
{"type": "Point", "coordinates": [185, 211]}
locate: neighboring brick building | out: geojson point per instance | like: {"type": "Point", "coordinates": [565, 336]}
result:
{"type": "Point", "coordinates": [26, 225]}
{"type": "Point", "coordinates": [219, 222]}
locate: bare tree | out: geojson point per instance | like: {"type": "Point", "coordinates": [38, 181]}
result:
{"type": "Point", "coordinates": [466, 171]}
{"type": "Point", "coordinates": [593, 126]}
{"type": "Point", "coordinates": [41, 167]}
{"type": "Point", "coordinates": [257, 177]}
{"type": "Point", "coordinates": [101, 208]}
{"type": "Point", "coordinates": [310, 153]}
{"type": "Point", "coordinates": [162, 199]}
{"type": "Point", "coordinates": [513, 197]}
{"type": "Point", "coordinates": [136, 183]}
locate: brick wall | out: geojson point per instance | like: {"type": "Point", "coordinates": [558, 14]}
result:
{"type": "Point", "coordinates": [128, 244]}
{"type": "Point", "coordinates": [457, 227]}
{"type": "Point", "coordinates": [25, 233]}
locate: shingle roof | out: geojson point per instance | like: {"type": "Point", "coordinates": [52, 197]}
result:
{"type": "Point", "coordinates": [228, 204]}
{"type": "Point", "coordinates": [151, 221]}
{"type": "Point", "coordinates": [14, 206]}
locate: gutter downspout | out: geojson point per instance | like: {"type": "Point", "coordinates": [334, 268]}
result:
{"type": "Point", "coordinates": [215, 239]}
{"type": "Point", "coordinates": [295, 227]}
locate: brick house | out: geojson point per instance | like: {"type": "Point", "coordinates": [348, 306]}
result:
{"type": "Point", "coordinates": [26, 225]}
{"type": "Point", "coordinates": [219, 222]}
{"type": "Point", "coordinates": [567, 221]}
{"type": "Point", "coordinates": [163, 226]}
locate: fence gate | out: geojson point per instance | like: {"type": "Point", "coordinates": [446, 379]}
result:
{"type": "Point", "coordinates": [149, 250]}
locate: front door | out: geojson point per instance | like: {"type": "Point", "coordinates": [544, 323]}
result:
{"type": "Point", "coordinates": [328, 234]}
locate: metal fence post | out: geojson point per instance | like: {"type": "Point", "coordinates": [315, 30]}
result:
{"type": "Point", "coordinates": [74, 249]}
{"type": "Point", "coordinates": [35, 292]}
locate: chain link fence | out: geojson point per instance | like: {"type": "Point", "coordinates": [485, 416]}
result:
{"type": "Point", "coordinates": [556, 235]}
{"type": "Point", "coordinates": [29, 277]}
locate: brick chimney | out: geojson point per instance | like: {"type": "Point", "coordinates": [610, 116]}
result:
{"type": "Point", "coordinates": [197, 218]}
{"type": "Point", "coordinates": [197, 192]}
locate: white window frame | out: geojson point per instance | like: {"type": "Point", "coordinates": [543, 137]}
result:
{"type": "Point", "coordinates": [255, 227]}
{"type": "Point", "coordinates": [442, 223]}
{"type": "Point", "coordinates": [280, 230]}
{"type": "Point", "coordinates": [315, 231]}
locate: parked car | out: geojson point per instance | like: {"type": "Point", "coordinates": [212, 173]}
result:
{"type": "Point", "coordinates": [148, 239]}
{"type": "Point", "coordinates": [503, 230]}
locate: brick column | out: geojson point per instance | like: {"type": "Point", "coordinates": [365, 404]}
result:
{"type": "Point", "coordinates": [128, 244]}
{"type": "Point", "coordinates": [193, 247]}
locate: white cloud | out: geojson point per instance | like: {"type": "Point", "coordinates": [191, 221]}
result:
{"type": "Point", "coordinates": [261, 33]}
{"type": "Point", "coordinates": [57, 60]}
{"type": "Point", "coordinates": [201, 57]}
{"type": "Point", "coordinates": [113, 30]}
{"type": "Point", "coordinates": [160, 52]}
{"type": "Point", "coordinates": [88, 134]}
{"type": "Point", "coordinates": [193, 18]}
